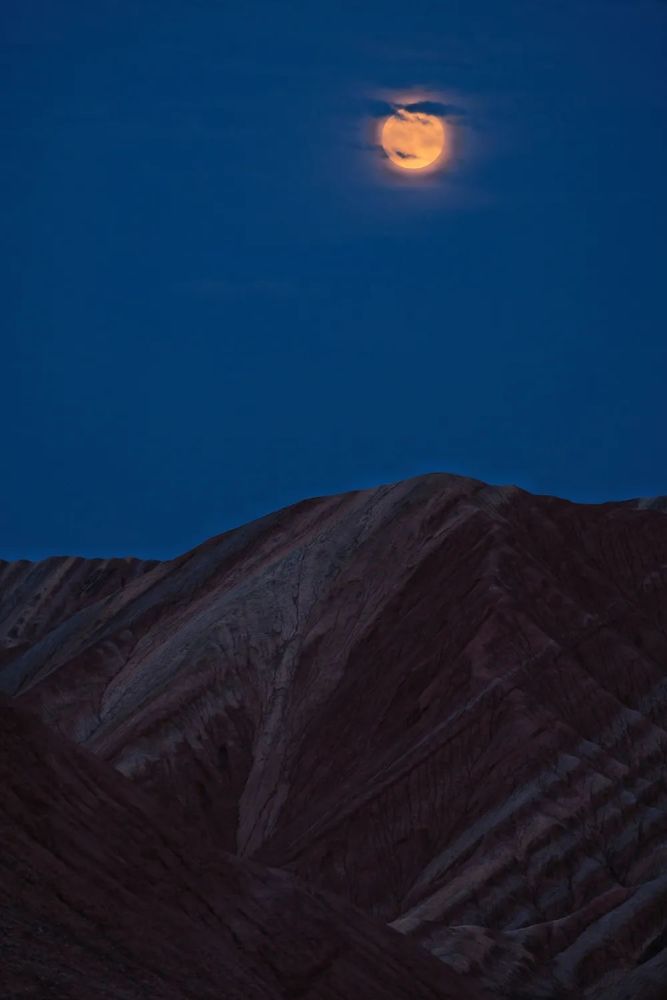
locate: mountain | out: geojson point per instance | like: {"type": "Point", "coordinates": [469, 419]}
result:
{"type": "Point", "coordinates": [102, 895]}
{"type": "Point", "coordinates": [439, 702]}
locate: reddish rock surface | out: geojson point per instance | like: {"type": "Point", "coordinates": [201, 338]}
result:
{"type": "Point", "coordinates": [101, 895]}
{"type": "Point", "coordinates": [443, 702]}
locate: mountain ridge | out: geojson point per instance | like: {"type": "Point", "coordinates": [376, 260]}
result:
{"type": "Point", "coordinates": [443, 702]}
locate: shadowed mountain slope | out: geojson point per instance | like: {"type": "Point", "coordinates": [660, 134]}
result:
{"type": "Point", "coordinates": [102, 895]}
{"type": "Point", "coordinates": [442, 701]}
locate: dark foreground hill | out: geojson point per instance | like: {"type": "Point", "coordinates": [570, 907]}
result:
{"type": "Point", "coordinates": [101, 895]}
{"type": "Point", "coordinates": [440, 703]}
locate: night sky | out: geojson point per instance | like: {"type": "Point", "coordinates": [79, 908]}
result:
{"type": "Point", "coordinates": [218, 298]}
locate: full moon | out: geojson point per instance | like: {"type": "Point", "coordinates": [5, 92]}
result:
{"type": "Point", "coordinates": [413, 140]}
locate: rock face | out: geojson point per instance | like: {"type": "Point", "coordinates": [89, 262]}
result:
{"type": "Point", "coordinates": [445, 703]}
{"type": "Point", "coordinates": [102, 896]}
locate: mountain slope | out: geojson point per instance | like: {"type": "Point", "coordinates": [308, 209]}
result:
{"type": "Point", "coordinates": [102, 895]}
{"type": "Point", "coordinates": [444, 702]}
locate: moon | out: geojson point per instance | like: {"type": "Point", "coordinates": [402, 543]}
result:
{"type": "Point", "coordinates": [413, 140]}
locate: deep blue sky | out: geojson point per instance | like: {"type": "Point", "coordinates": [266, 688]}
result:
{"type": "Point", "coordinates": [217, 299]}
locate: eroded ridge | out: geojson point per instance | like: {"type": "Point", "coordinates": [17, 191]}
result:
{"type": "Point", "coordinates": [444, 702]}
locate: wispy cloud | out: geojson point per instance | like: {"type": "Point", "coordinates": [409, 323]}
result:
{"type": "Point", "coordinates": [381, 109]}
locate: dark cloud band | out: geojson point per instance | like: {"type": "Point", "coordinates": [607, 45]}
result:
{"type": "Point", "coordinates": [381, 109]}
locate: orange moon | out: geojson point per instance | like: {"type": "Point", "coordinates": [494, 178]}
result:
{"type": "Point", "coordinates": [413, 140]}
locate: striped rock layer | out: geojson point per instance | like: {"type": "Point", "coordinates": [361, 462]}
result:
{"type": "Point", "coordinates": [103, 896]}
{"type": "Point", "coordinates": [441, 701]}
